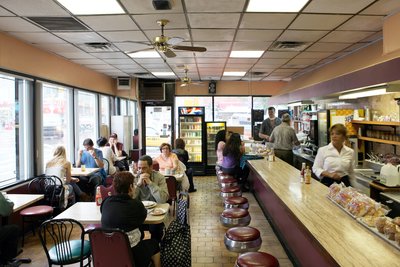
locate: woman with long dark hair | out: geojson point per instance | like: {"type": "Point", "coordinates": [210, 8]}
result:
{"type": "Point", "coordinates": [232, 152]}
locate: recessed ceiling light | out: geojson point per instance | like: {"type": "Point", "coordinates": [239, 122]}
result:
{"type": "Point", "coordinates": [163, 73]}
{"type": "Point", "coordinates": [144, 54]}
{"type": "Point", "coordinates": [246, 54]}
{"type": "Point", "coordinates": [92, 7]}
{"type": "Point", "coordinates": [234, 73]}
{"type": "Point", "coordinates": [275, 5]}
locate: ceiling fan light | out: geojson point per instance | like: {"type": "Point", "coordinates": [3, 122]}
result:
{"type": "Point", "coordinates": [275, 5]}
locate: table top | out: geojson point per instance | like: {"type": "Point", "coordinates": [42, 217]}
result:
{"type": "Point", "coordinates": [79, 172]}
{"type": "Point", "coordinates": [22, 201]}
{"type": "Point", "coordinates": [89, 213]}
{"type": "Point", "coordinates": [346, 240]}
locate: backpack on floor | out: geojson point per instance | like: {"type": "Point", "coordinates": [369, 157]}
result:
{"type": "Point", "coordinates": [176, 244]}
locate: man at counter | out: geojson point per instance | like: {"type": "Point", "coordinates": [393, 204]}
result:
{"type": "Point", "coordinates": [269, 124]}
{"type": "Point", "coordinates": [284, 138]}
{"type": "Point", "coordinates": [334, 162]}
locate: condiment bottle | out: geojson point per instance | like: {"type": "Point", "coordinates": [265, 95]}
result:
{"type": "Point", "coordinates": [302, 172]}
{"type": "Point", "coordinates": [307, 175]}
{"type": "Point", "coordinates": [271, 156]}
{"type": "Point", "coordinates": [99, 199]}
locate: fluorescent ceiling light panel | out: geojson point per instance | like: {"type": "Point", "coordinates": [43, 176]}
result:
{"type": "Point", "coordinates": [144, 54]}
{"type": "Point", "coordinates": [354, 95]}
{"type": "Point", "coordinates": [234, 73]}
{"type": "Point", "coordinates": [163, 73]}
{"type": "Point", "coordinates": [246, 54]}
{"type": "Point", "coordinates": [92, 7]}
{"type": "Point", "coordinates": [299, 103]}
{"type": "Point", "coordinates": [275, 5]}
{"type": "Point", "coordinates": [294, 104]}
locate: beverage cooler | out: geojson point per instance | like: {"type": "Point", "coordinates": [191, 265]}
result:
{"type": "Point", "coordinates": [212, 128]}
{"type": "Point", "coordinates": [191, 130]}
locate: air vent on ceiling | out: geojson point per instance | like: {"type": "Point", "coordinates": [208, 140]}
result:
{"type": "Point", "coordinates": [256, 73]}
{"type": "Point", "coordinates": [59, 23]}
{"type": "Point", "coordinates": [288, 46]}
{"type": "Point", "coordinates": [98, 47]}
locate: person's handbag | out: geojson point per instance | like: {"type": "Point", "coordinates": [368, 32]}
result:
{"type": "Point", "coordinates": [176, 244]}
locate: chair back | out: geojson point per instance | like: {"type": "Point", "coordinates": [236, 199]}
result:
{"type": "Point", "coordinates": [51, 187]}
{"type": "Point", "coordinates": [171, 184]}
{"type": "Point", "coordinates": [106, 166]}
{"type": "Point", "coordinates": [106, 191]}
{"type": "Point", "coordinates": [106, 244]}
{"type": "Point", "coordinates": [63, 242]}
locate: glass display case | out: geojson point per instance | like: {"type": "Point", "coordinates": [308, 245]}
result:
{"type": "Point", "coordinates": [212, 129]}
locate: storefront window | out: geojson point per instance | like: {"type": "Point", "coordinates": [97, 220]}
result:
{"type": "Point", "coordinates": [104, 115]}
{"type": "Point", "coordinates": [195, 101]}
{"type": "Point", "coordinates": [85, 117]}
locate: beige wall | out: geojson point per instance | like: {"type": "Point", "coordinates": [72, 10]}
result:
{"type": "Point", "coordinates": [18, 56]}
{"type": "Point", "coordinates": [391, 37]}
{"type": "Point", "coordinates": [130, 94]}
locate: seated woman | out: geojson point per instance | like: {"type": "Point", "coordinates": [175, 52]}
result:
{"type": "Point", "coordinates": [61, 167]}
{"type": "Point", "coordinates": [220, 140]}
{"type": "Point", "coordinates": [124, 212]}
{"type": "Point", "coordinates": [183, 156]}
{"type": "Point", "coordinates": [232, 152]}
{"type": "Point", "coordinates": [107, 154]}
{"type": "Point", "coordinates": [167, 160]}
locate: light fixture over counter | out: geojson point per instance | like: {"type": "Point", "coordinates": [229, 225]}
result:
{"type": "Point", "coordinates": [380, 89]}
{"type": "Point", "coordinates": [300, 103]}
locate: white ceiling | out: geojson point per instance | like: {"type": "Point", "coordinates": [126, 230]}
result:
{"type": "Point", "coordinates": [331, 29]}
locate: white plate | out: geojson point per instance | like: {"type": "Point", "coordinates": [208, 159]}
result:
{"type": "Point", "coordinates": [149, 204]}
{"type": "Point", "coordinates": [158, 212]}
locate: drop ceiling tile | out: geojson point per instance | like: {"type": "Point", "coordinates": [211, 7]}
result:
{"type": "Point", "coordinates": [204, 60]}
{"type": "Point", "coordinates": [251, 46]}
{"type": "Point", "coordinates": [101, 67]}
{"type": "Point", "coordinates": [221, 54]}
{"type": "Point", "coordinates": [4, 12]}
{"type": "Point", "coordinates": [75, 55]}
{"type": "Point", "coordinates": [242, 60]}
{"type": "Point", "coordinates": [383, 7]}
{"type": "Point", "coordinates": [110, 55]}
{"type": "Point", "coordinates": [211, 65]}
{"type": "Point", "coordinates": [37, 37]}
{"type": "Point", "coordinates": [109, 23]}
{"type": "Point", "coordinates": [122, 36]}
{"type": "Point", "coordinates": [177, 60]}
{"type": "Point", "coordinates": [150, 61]}
{"type": "Point", "coordinates": [214, 46]}
{"type": "Point", "coordinates": [273, 78]}
{"type": "Point", "coordinates": [318, 55]}
{"type": "Point", "coordinates": [183, 33]}
{"type": "Point", "coordinates": [257, 35]}
{"type": "Point", "coordinates": [89, 61]}
{"type": "Point", "coordinates": [230, 78]}
{"type": "Point", "coordinates": [327, 47]}
{"type": "Point", "coordinates": [212, 35]}
{"type": "Point", "coordinates": [15, 24]}
{"type": "Point", "coordinates": [210, 72]}
{"type": "Point", "coordinates": [119, 61]}
{"type": "Point", "coordinates": [149, 21]}
{"type": "Point", "coordinates": [59, 48]}
{"type": "Point", "coordinates": [363, 23]}
{"type": "Point", "coordinates": [146, 7]}
{"type": "Point", "coordinates": [249, 78]}
{"type": "Point", "coordinates": [346, 36]}
{"type": "Point", "coordinates": [266, 21]}
{"type": "Point", "coordinates": [130, 65]}
{"type": "Point", "coordinates": [318, 21]}
{"type": "Point", "coordinates": [244, 66]}
{"type": "Point", "coordinates": [80, 37]}
{"type": "Point", "coordinates": [206, 20]}
{"type": "Point", "coordinates": [283, 54]}
{"type": "Point", "coordinates": [303, 61]}
{"type": "Point", "coordinates": [266, 65]}
{"type": "Point", "coordinates": [374, 37]}
{"type": "Point", "coordinates": [336, 6]}
{"type": "Point", "coordinates": [269, 61]}
{"type": "Point", "coordinates": [131, 47]}
{"type": "Point", "coordinates": [181, 53]}
{"type": "Point", "coordinates": [285, 71]}
{"type": "Point", "coordinates": [261, 69]}
{"type": "Point", "coordinates": [133, 70]}
{"type": "Point", "coordinates": [301, 36]}
{"type": "Point", "coordinates": [36, 8]}
{"type": "Point", "coordinates": [215, 6]}
{"type": "Point", "coordinates": [114, 74]}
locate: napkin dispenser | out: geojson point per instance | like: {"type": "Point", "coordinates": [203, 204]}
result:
{"type": "Point", "coordinates": [390, 175]}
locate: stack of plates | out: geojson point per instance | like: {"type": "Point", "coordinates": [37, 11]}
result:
{"type": "Point", "coordinates": [149, 204]}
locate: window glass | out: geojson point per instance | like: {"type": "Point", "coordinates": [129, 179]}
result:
{"type": "Point", "coordinates": [123, 107]}
{"type": "Point", "coordinates": [195, 101]}
{"type": "Point", "coordinates": [104, 115]}
{"type": "Point", "coordinates": [85, 117]}
{"type": "Point", "coordinates": [235, 110]}
{"type": "Point", "coordinates": [132, 112]}
{"type": "Point", "coordinates": [261, 103]}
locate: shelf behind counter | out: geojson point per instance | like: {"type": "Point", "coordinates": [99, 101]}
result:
{"type": "Point", "coordinates": [313, 229]}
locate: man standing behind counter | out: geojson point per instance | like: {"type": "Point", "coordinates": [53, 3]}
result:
{"type": "Point", "coordinates": [269, 124]}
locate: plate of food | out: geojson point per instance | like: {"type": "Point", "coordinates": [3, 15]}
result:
{"type": "Point", "coordinates": [158, 212]}
{"type": "Point", "coordinates": [149, 204]}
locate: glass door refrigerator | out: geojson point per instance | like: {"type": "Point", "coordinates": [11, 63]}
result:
{"type": "Point", "coordinates": [191, 130]}
{"type": "Point", "coordinates": [212, 128]}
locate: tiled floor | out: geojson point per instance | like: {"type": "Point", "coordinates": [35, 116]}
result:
{"type": "Point", "coordinates": [208, 247]}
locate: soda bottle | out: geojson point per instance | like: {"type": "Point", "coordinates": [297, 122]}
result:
{"type": "Point", "coordinates": [302, 172]}
{"type": "Point", "coordinates": [99, 199]}
{"type": "Point", "coordinates": [307, 175]}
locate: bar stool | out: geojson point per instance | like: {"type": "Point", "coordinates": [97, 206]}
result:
{"type": "Point", "coordinates": [259, 259]}
{"type": "Point", "coordinates": [236, 202]}
{"type": "Point", "coordinates": [242, 239]}
{"type": "Point", "coordinates": [235, 217]}
{"type": "Point", "coordinates": [233, 191]}
{"type": "Point", "coordinates": [227, 182]}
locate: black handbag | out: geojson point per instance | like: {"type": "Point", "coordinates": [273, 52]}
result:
{"type": "Point", "coordinates": [176, 244]}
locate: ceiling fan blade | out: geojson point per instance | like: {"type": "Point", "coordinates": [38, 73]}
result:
{"type": "Point", "coordinates": [169, 53]}
{"type": "Point", "coordinates": [175, 40]}
{"type": "Point", "coordinates": [190, 48]}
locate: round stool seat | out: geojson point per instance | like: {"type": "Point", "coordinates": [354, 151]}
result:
{"type": "Point", "coordinates": [36, 210]}
{"type": "Point", "coordinates": [232, 191]}
{"type": "Point", "coordinates": [228, 182]}
{"type": "Point", "coordinates": [242, 239]}
{"type": "Point", "coordinates": [235, 217]}
{"type": "Point", "coordinates": [236, 202]}
{"type": "Point", "coordinates": [259, 259]}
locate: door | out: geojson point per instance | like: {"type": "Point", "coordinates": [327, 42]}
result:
{"type": "Point", "coordinates": [158, 128]}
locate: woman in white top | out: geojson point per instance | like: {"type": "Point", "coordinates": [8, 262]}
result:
{"type": "Point", "coordinates": [334, 162]}
{"type": "Point", "coordinates": [107, 154]}
{"type": "Point", "coordinates": [61, 167]}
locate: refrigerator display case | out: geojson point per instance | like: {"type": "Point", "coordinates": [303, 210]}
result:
{"type": "Point", "coordinates": [212, 129]}
{"type": "Point", "coordinates": [191, 130]}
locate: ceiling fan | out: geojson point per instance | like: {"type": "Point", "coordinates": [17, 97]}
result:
{"type": "Point", "coordinates": [186, 81]}
{"type": "Point", "coordinates": [166, 44]}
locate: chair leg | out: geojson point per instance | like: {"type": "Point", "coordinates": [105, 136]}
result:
{"type": "Point", "coordinates": [23, 231]}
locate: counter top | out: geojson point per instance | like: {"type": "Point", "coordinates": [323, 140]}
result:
{"type": "Point", "coordinates": [303, 155]}
{"type": "Point", "coordinates": [347, 241]}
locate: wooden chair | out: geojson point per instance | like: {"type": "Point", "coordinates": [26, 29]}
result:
{"type": "Point", "coordinates": [171, 184]}
{"type": "Point", "coordinates": [60, 245]}
{"type": "Point", "coordinates": [110, 247]}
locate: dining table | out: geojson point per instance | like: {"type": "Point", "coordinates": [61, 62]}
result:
{"type": "Point", "coordinates": [89, 213]}
{"type": "Point", "coordinates": [22, 201]}
{"type": "Point", "coordinates": [86, 172]}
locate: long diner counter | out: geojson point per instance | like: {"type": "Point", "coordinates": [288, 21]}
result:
{"type": "Point", "coordinates": [313, 229]}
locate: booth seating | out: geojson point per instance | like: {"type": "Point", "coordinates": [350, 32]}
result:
{"type": "Point", "coordinates": [242, 239]}
{"type": "Point", "coordinates": [236, 202]}
{"type": "Point", "coordinates": [227, 182]}
{"type": "Point", "coordinates": [235, 217]}
{"type": "Point", "coordinates": [259, 259]}
{"type": "Point", "coordinates": [233, 191]}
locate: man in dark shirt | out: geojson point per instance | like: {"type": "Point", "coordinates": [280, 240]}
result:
{"type": "Point", "coordinates": [269, 124]}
